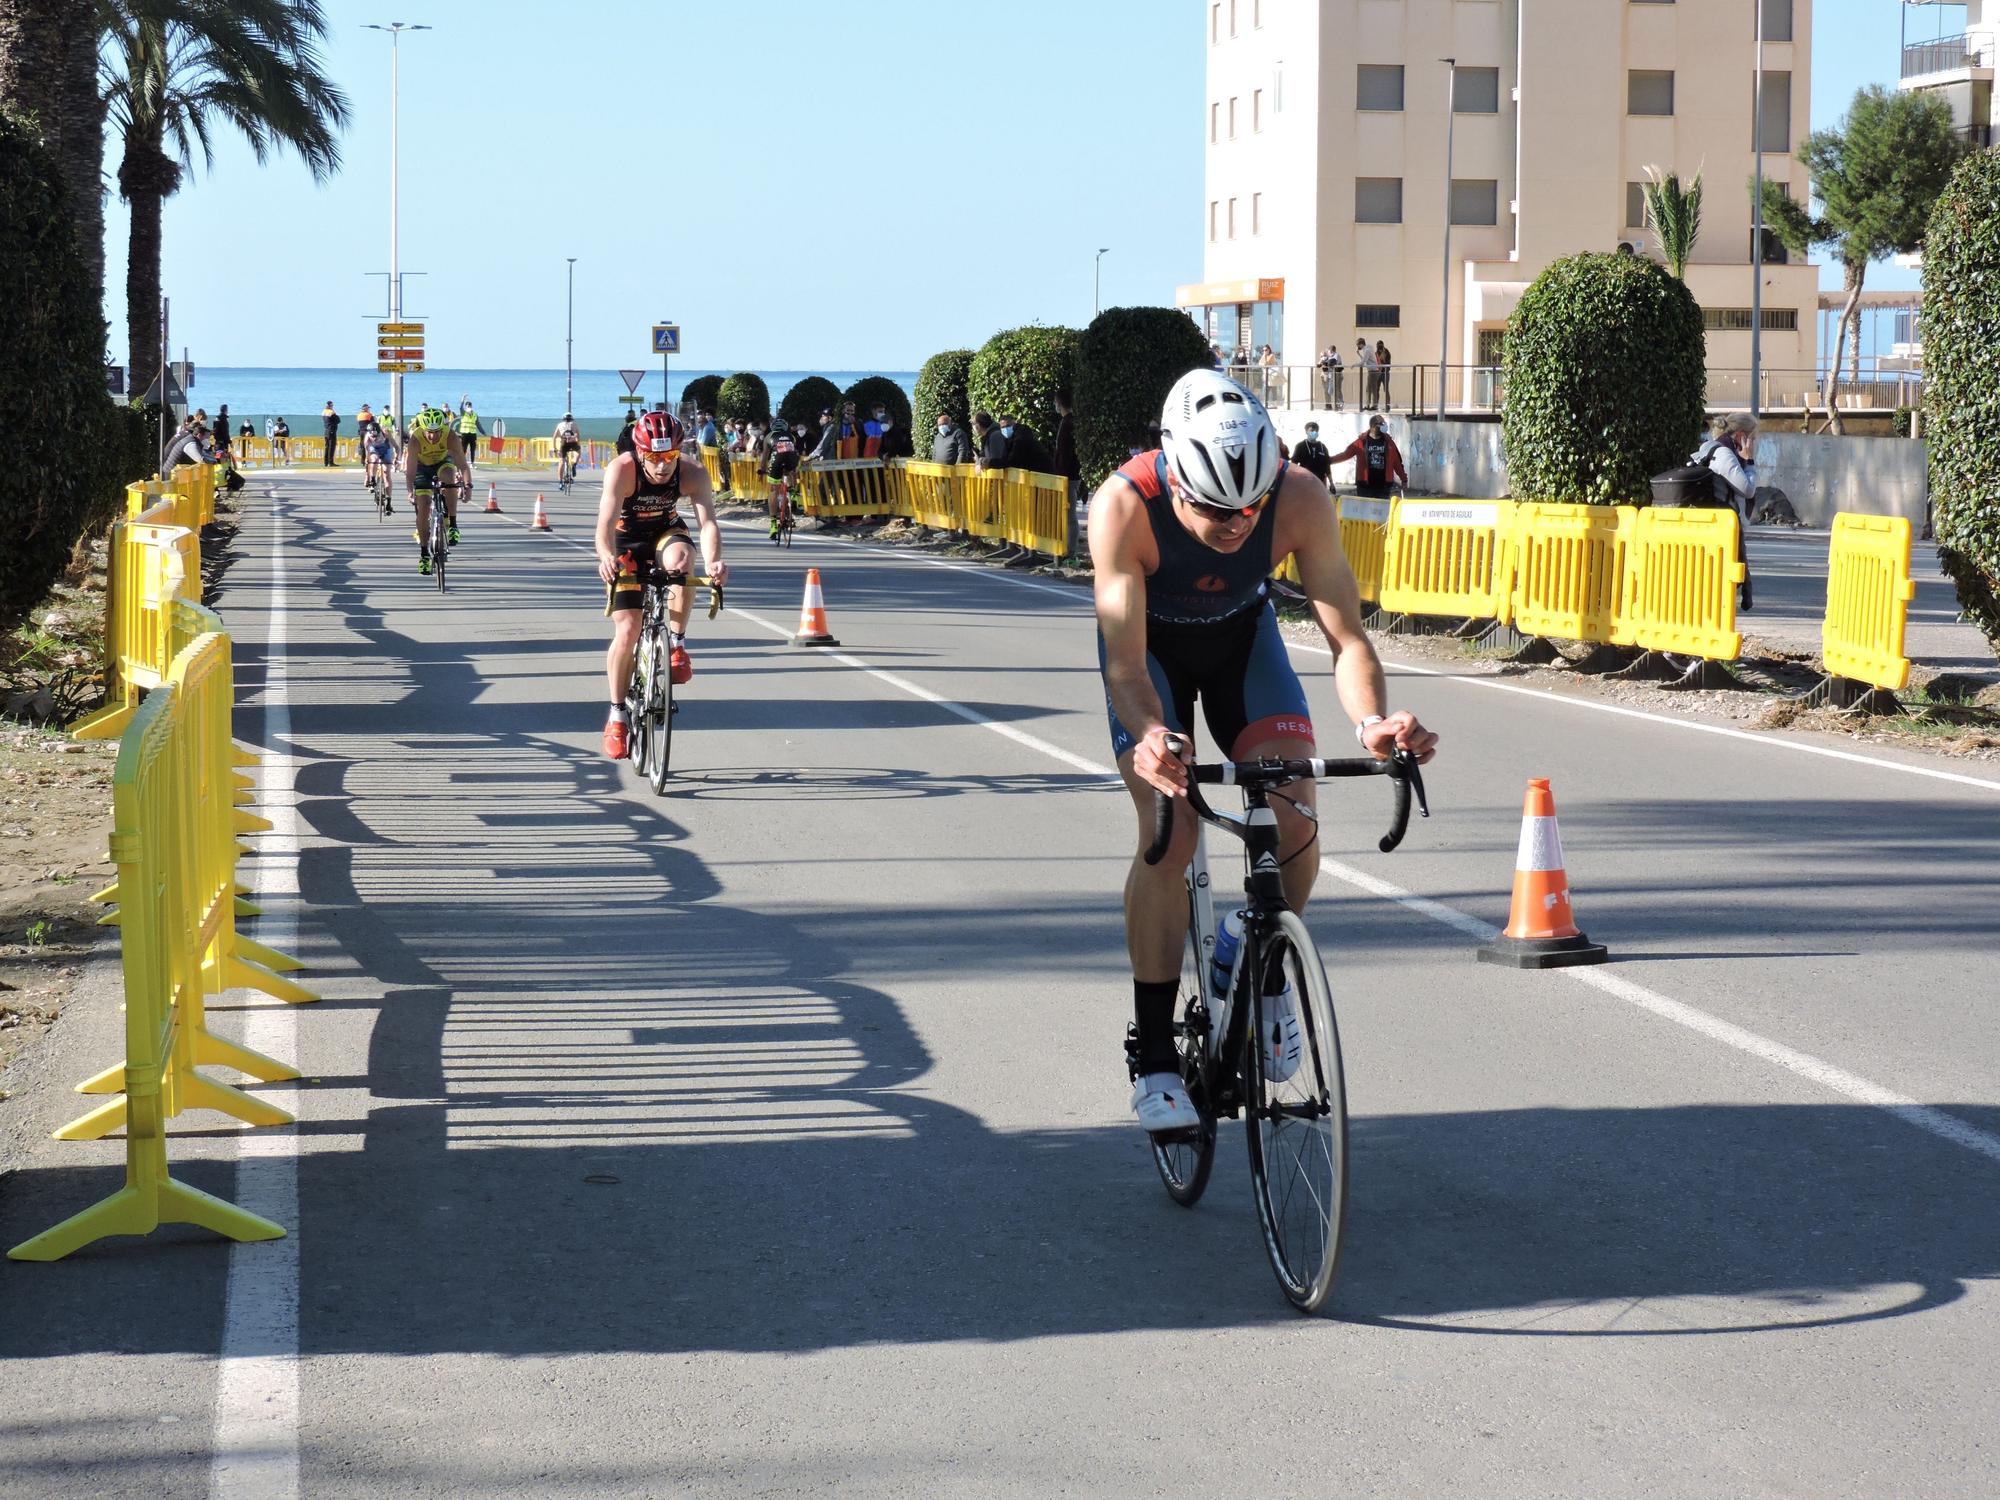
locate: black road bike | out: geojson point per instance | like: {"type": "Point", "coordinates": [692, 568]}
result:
{"type": "Point", "coordinates": [440, 519]}
{"type": "Point", "coordinates": [649, 701]}
{"type": "Point", "coordinates": [1296, 1116]}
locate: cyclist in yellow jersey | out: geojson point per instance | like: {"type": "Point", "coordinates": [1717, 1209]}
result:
{"type": "Point", "coordinates": [433, 459]}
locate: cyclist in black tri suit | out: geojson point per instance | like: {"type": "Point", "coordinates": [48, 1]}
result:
{"type": "Point", "coordinates": [1183, 540]}
{"type": "Point", "coordinates": [640, 533]}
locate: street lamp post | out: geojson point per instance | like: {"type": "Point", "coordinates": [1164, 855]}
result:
{"type": "Point", "coordinates": [1444, 314]}
{"type": "Point", "coordinates": [569, 345]}
{"type": "Point", "coordinates": [1757, 220]}
{"type": "Point", "coordinates": [395, 30]}
{"type": "Point", "coordinates": [1097, 281]}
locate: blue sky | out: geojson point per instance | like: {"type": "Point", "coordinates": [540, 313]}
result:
{"type": "Point", "coordinates": [828, 186]}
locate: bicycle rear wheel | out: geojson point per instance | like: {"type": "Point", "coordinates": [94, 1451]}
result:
{"type": "Point", "coordinates": [638, 729]}
{"type": "Point", "coordinates": [1184, 1159]}
{"type": "Point", "coordinates": [660, 698]}
{"type": "Point", "coordinates": [438, 547]}
{"type": "Point", "coordinates": [1298, 1123]}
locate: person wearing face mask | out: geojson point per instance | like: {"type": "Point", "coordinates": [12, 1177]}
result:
{"type": "Point", "coordinates": [892, 440]}
{"type": "Point", "coordinates": [949, 445]}
{"type": "Point", "coordinates": [1311, 455]}
{"type": "Point", "coordinates": [1183, 541]}
{"type": "Point", "coordinates": [1020, 448]}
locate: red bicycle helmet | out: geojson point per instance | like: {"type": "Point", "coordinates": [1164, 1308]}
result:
{"type": "Point", "coordinates": [657, 432]}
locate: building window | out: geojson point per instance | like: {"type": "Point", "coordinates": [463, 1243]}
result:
{"type": "Point", "coordinates": [1378, 86]}
{"type": "Point", "coordinates": [1378, 200]}
{"type": "Point", "coordinates": [1256, 13]}
{"type": "Point", "coordinates": [1214, 212]}
{"type": "Point", "coordinates": [1777, 133]}
{"type": "Point", "coordinates": [1378, 315]}
{"type": "Point", "coordinates": [1215, 22]}
{"type": "Point", "coordinates": [1777, 20]}
{"type": "Point", "coordinates": [1637, 216]}
{"type": "Point", "coordinates": [1256, 109]}
{"type": "Point", "coordinates": [1475, 200]}
{"type": "Point", "coordinates": [1232, 218]}
{"type": "Point", "coordinates": [1232, 119]}
{"type": "Point", "coordinates": [1214, 122]}
{"type": "Point", "coordinates": [1476, 91]}
{"type": "Point", "coordinates": [1737, 319]}
{"type": "Point", "coordinates": [1648, 92]}
{"type": "Point", "coordinates": [1256, 213]}
{"type": "Point", "coordinates": [1232, 17]}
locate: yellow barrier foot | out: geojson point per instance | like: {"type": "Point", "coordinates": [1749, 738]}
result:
{"type": "Point", "coordinates": [237, 974]}
{"type": "Point", "coordinates": [141, 1210]}
{"type": "Point", "coordinates": [109, 919]}
{"type": "Point", "coordinates": [243, 822]}
{"type": "Point", "coordinates": [248, 908]}
{"type": "Point", "coordinates": [97, 1123]}
{"type": "Point", "coordinates": [212, 1049]}
{"type": "Point", "coordinates": [107, 723]}
{"type": "Point", "coordinates": [1850, 696]}
{"type": "Point", "coordinates": [1675, 672]}
{"type": "Point", "coordinates": [110, 1081]}
{"type": "Point", "coordinates": [197, 1092]}
{"type": "Point", "coordinates": [108, 894]}
{"type": "Point", "coordinates": [270, 958]}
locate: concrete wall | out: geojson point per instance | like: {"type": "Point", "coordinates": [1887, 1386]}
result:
{"type": "Point", "coordinates": [1819, 473]}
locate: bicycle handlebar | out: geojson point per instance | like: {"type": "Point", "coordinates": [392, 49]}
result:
{"type": "Point", "coordinates": [1401, 768]}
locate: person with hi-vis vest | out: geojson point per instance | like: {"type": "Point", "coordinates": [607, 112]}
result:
{"type": "Point", "coordinates": [469, 431]}
{"type": "Point", "coordinates": [1377, 460]}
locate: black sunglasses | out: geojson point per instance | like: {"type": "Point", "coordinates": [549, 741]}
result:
{"type": "Point", "coordinates": [1222, 512]}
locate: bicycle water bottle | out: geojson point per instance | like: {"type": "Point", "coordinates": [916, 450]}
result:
{"type": "Point", "coordinates": [1228, 933]}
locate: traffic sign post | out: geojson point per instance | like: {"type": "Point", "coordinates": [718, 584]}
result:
{"type": "Point", "coordinates": [666, 341]}
{"type": "Point", "coordinates": [399, 348]}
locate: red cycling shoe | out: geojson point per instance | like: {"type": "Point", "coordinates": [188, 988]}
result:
{"type": "Point", "coordinates": [617, 739]}
{"type": "Point", "coordinates": [680, 665]}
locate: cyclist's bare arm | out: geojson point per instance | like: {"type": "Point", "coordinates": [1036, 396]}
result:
{"type": "Point", "coordinates": [608, 506]}
{"type": "Point", "coordinates": [1309, 529]}
{"type": "Point", "coordinates": [1117, 533]}
{"type": "Point", "coordinates": [700, 496]}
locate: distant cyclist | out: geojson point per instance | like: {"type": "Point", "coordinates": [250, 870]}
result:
{"type": "Point", "coordinates": [780, 465]}
{"type": "Point", "coordinates": [640, 526]}
{"type": "Point", "coordinates": [569, 443]}
{"type": "Point", "coordinates": [434, 462]}
{"type": "Point", "coordinates": [378, 453]}
{"type": "Point", "coordinates": [1183, 539]}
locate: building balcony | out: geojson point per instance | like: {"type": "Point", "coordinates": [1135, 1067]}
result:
{"type": "Point", "coordinates": [1944, 55]}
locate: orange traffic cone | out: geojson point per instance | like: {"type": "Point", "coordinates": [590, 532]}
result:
{"type": "Point", "coordinates": [1541, 929]}
{"type": "Point", "coordinates": [541, 521]}
{"type": "Point", "coordinates": [812, 615]}
{"type": "Point", "coordinates": [492, 498]}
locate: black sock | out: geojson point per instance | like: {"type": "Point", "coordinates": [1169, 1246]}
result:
{"type": "Point", "coordinates": [1153, 1010]}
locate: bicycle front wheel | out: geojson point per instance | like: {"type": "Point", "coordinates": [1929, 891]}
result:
{"type": "Point", "coordinates": [438, 547]}
{"type": "Point", "coordinates": [1184, 1159]}
{"type": "Point", "coordinates": [1296, 1102]}
{"type": "Point", "coordinates": [660, 701]}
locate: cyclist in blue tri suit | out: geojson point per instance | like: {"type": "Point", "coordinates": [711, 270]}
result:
{"type": "Point", "coordinates": [1183, 540]}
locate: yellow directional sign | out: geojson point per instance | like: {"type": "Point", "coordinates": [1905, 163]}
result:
{"type": "Point", "coordinates": [385, 329]}
{"type": "Point", "coordinates": [399, 367]}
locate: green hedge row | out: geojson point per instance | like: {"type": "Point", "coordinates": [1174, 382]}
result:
{"type": "Point", "coordinates": [1961, 318]}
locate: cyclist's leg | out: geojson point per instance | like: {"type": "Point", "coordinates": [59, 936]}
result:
{"type": "Point", "coordinates": [624, 602]}
{"type": "Point", "coordinates": [1255, 706]}
{"type": "Point", "coordinates": [677, 556]}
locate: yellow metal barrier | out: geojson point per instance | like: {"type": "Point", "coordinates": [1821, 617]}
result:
{"type": "Point", "coordinates": [1681, 582]}
{"type": "Point", "coordinates": [935, 495]}
{"type": "Point", "coordinates": [151, 839]}
{"type": "Point", "coordinates": [844, 487]}
{"type": "Point", "coordinates": [1034, 511]}
{"type": "Point", "coordinates": [1868, 594]}
{"type": "Point", "coordinates": [1364, 537]}
{"type": "Point", "coordinates": [1570, 575]}
{"type": "Point", "coordinates": [151, 564]}
{"type": "Point", "coordinates": [1451, 558]}
{"type": "Point", "coordinates": [746, 479]}
{"type": "Point", "coordinates": [716, 461]}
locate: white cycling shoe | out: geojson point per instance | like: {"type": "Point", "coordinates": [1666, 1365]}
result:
{"type": "Point", "coordinates": [1161, 1102]}
{"type": "Point", "coordinates": [1283, 1041]}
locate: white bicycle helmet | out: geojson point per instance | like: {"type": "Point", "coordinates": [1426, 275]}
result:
{"type": "Point", "coordinates": [1218, 441]}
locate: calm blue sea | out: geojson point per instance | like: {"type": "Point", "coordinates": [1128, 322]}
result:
{"type": "Point", "coordinates": [532, 397]}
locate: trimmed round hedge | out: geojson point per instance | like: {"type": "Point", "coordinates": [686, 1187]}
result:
{"type": "Point", "coordinates": [51, 376]}
{"type": "Point", "coordinates": [1018, 372]}
{"type": "Point", "coordinates": [702, 391]}
{"type": "Point", "coordinates": [807, 399]}
{"type": "Point", "coordinates": [1961, 319]}
{"type": "Point", "coordinates": [941, 388]}
{"type": "Point", "coordinates": [744, 397]}
{"type": "Point", "coordinates": [871, 391]}
{"type": "Point", "coordinates": [1606, 376]}
{"type": "Point", "coordinates": [1129, 359]}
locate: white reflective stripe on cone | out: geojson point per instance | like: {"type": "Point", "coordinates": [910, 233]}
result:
{"type": "Point", "coordinates": [1541, 846]}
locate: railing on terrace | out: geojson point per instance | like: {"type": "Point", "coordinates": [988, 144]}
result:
{"type": "Point", "coordinates": [1945, 54]}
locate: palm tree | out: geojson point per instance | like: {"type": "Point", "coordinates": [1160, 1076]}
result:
{"type": "Point", "coordinates": [174, 70]}
{"type": "Point", "coordinates": [1675, 212]}
{"type": "Point", "coordinates": [48, 74]}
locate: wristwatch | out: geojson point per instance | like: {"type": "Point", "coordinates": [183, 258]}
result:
{"type": "Point", "coordinates": [1361, 729]}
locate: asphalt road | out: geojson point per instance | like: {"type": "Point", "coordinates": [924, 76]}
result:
{"type": "Point", "coordinates": [769, 1137]}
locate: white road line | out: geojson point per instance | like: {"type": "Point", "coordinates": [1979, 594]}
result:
{"type": "Point", "coordinates": [256, 1440]}
{"type": "Point", "coordinates": [1804, 1064]}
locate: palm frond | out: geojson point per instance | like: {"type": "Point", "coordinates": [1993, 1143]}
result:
{"type": "Point", "coordinates": [1675, 211]}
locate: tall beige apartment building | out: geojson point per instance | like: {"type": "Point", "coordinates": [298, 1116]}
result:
{"type": "Point", "coordinates": [1324, 215]}
{"type": "Point", "coordinates": [1955, 64]}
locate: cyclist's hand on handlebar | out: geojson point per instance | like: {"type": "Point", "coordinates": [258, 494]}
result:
{"type": "Point", "coordinates": [607, 567]}
{"type": "Point", "coordinates": [718, 572]}
{"type": "Point", "coordinates": [1160, 760]}
{"type": "Point", "coordinates": [1400, 731]}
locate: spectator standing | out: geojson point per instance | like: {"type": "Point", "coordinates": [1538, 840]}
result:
{"type": "Point", "coordinates": [364, 422]}
{"type": "Point", "coordinates": [989, 447]}
{"type": "Point", "coordinates": [851, 436]}
{"type": "Point", "coordinates": [949, 446]}
{"type": "Point", "coordinates": [330, 420]}
{"type": "Point", "coordinates": [623, 442]}
{"type": "Point", "coordinates": [222, 426]}
{"type": "Point", "coordinates": [281, 440]}
{"type": "Point", "coordinates": [246, 430]}
{"type": "Point", "coordinates": [470, 430]}
{"type": "Point", "coordinates": [1378, 462]}
{"type": "Point", "coordinates": [826, 443]}
{"type": "Point", "coordinates": [1313, 456]}
{"type": "Point", "coordinates": [706, 433]}
{"type": "Point", "coordinates": [1062, 458]}
{"type": "Point", "coordinates": [1021, 449]}
{"type": "Point", "coordinates": [1730, 454]}
{"type": "Point", "coordinates": [1364, 374]}
{"type": "Point", "coordinates": [1271, 376]}
{"type": "Point", "coordinates": [891, 441]}
{"type": "Point", "coordinates": [1382, 363]}
{"type": "Point", "coordinates": [1215, 356]}
{"type": "Point", "coordinates": [1331, 377]}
